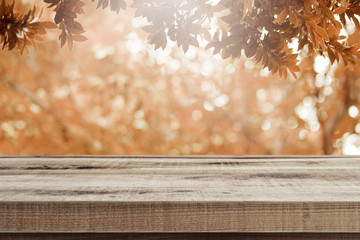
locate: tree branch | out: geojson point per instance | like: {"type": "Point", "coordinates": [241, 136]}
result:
{"type": "Point", "coordinates": [330, 126]}
{"type": "Point", "coordinates": [28, 94]}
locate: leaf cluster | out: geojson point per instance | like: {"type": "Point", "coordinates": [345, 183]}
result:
{"type": "Point", "coordinates": [17, 31]}
{"type": "Point", "coordinates": [66, 12]}
{"type": "Point", "coordinates": [264, 30]}
{"type": "Point", "coordinates": [261, 29]}
{"type": "Point", "coordinates": [180, 21]}
{"type": "Point", "coordinates": [267, 29]}
{"type": "Point", "coordinates": [115, 5]}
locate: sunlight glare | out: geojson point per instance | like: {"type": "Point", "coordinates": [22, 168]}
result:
{"type": "Point", "coordinates": [207, 68]}
{"type": "Point", "coordinates": [118, 102]}
{"type": "Point", "coordinates": [266, 125]}
{"type": "Point", "coordinates": [8, 129]}
{"type": "Point", "coordinates": [292, 123]}
{"type": "Point", "coordinates": [320, 80]}
{"type": "Point", "coordinates": [321, 64]}
{"type": "Point", "coordinates": [328, 91]}
{"type": "Point", "coordinates": [351, 145]}
{"type": "Point", "coordinates": [140, 124]}
{"type": "Point", "coordinates": [264, 72]}
{"type": "Point", "coordinates": [207, 86]}
{"type": "Point", "coordinates": [302, 134]}
{"type": "Point", "coordinates": [306, 111]}
{"type": "Point", "coordinates": [353, 111]}
{"type": "Point", "coordinates": [197, 115]}
{"type": "Point", "coordinates": [261, 94]}
{"type": "Point", "coordinates": [134, 44]}
{"type": "Point", "coordinates": [208, 106]}
{"type": "Point", "coordinates": [221, 101]}
{"type": "Point", "coordinates": [357, 128]}
{"type": "Point", "coordinates": [101, 51]}
{"type": "Point", "coordinates": [267, 107]}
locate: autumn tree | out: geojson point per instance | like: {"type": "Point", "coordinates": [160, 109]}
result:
{"type": "Point", "coordinates": [108, 98]}
{"type": "Point", "coordinates": [263, 30]}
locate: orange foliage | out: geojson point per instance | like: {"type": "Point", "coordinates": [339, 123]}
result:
{"type": "Point", "coordinates": [114, 94]}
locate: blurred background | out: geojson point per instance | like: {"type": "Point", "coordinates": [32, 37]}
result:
{"type": "Point", "coordinates": [114, 94]}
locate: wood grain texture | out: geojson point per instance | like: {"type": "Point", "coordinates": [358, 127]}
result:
{"type": "Point", "coordinates": [180, 194]}
{"type": "Point", "coordinates": [180, 236]}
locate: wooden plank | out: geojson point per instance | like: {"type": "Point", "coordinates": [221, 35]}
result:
{"type": "Point", "coordinates": [180, 236]}
{"type": "Point", "coordinates": [160, 216]}
{"type": "Point", "coordinates": [180, 194]}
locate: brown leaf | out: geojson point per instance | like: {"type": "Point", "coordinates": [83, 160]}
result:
{"type": "Point", "coordinates": [206, 34]}
{"type": "Point", "coordinates": [248, 6]}
{"type": "Point", "coordinates": [59, 16]}
{"type": "Point", "coordinates": [78, 26]}
{"type": "Point", "coordinates": [48, 24]}
{"type": "Point", "coordinates": [38, 38]}
{"type": "Point", "coordinates": [332, 31]}
{"type": "Point", "coordinates": [338, 24]}
{"type": "Point", "coordinates": [294, 74]}
{"type": "Point", "coordinates": [53, 2]}
{"type": "Point", "coordinates": [340, 10]}
{"type": "Point", "coordinates": [185, 47]}
{"type": "Point", "coordinates": [226, 52]}
{"type": "Point", "coordinates": [331, 55]}
{"type": "Point", "coordinates": [79, 38]}
{"type": "Point", "coordinates": [320, 31]}
{"type": "Point", "coordinates": [281, 17]}
{"type": "Point", "coordinates": [151, 28]}
{"type": "Point", "coordinates": [75, 30]}
{"type": "Point", "coordinates": [194, 28]}
{"type": "Point", "coordinates": [69, 41]}
{"type": "Point", "coordinates": [62, 39]}
{"type": "Point", "coordinates": [292, 17]}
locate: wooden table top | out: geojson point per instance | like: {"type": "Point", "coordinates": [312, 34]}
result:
{"type": "Point", "coordinates": [180, 194]}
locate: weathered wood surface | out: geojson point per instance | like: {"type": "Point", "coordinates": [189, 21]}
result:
{"type": "Point", "coordinates": [180, 194]}
{"type": "Point", "coordinates": [180, 236]}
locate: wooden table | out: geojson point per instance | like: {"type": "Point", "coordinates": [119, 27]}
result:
{"type": "Point", "coordinates": [187, 197]}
